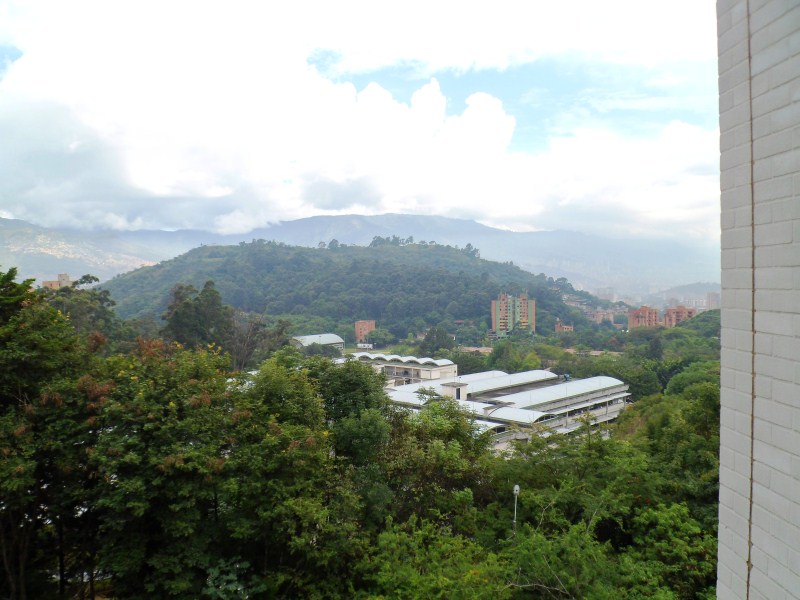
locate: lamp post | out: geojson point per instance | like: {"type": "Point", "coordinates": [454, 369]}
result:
{"type": "Point", "coordinates": [516, 493]}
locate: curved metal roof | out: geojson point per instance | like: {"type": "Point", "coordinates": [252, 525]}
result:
{"type": "Point", "coordinates": [441, 362]}
{"type": "Point", "coordinates": [563, 391]}
{"type": "Point", "coordinates": [323, 339]}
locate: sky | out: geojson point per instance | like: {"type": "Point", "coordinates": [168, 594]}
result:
{"type": "Point", "coordinates": [526, 115]}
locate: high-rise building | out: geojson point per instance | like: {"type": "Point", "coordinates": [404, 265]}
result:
{"type": "Point", "coordinates": [643, 316]}
{"type": "Point", "coordinates": [679, 314]}
{"type": "Point", "coordinates": [362, 330]}
{"type": "Point", "coordinates": [759, 495]}
{"type": "Point", "coordinates": [513, 312]}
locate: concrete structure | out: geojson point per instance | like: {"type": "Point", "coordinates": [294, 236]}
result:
{"type": "Point", "coordinates": [679, 314]}
{"type": "Point", "coordinates": [401, 370]}
{"type": "Point", "coordinates": [512, 312]}
{"type": "Point", "coordinates": [323, 339]}
{"type": "Point", "coordinates": [62, 281]}
{"type": "Point", "coordinates": [520, 405]}
{"type": "Point", "coordinates": [563, 326]}
{"type": "Point", "coordinates": [643, 317]}
{"type": "Point", "coordinates": [759, 100]}
{"type": "Point", "coordinates": [713, 300]}
{"type": "Point", "coordinates": [362, 330]}
{"type": "Point", "coordinates": [599, 315]}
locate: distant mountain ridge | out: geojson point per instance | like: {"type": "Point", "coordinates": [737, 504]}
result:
{"type": "Point", "coordinates": [629, 265]}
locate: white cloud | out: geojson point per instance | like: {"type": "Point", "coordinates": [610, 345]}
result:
{"type": "Point", "coordinates": [214, 110]}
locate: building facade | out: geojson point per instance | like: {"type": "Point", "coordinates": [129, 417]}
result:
{"type": "Point", "coordinates": [403, 370]}
{"type": "Point", "coordinates": [62, 281]}
{"type": "Point", "coordinates": [678, 314]}
{"type": "Point", "coordinates": [512, 312]}
{"type": "Point", "coordinates": [643, 317]}
{"type": "Point", "coordinates": [759, 102]}
{"type": "Point", "coordinates": [362, 330]}
{"type": "Point", "coordinates": [561, 326]}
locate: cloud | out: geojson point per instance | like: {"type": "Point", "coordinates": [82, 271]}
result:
{"type": "Point", "coordinates": [229, 117]}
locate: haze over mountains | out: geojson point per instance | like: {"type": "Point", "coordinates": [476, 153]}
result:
{"type": "Point", "coordinates": [630, 265]}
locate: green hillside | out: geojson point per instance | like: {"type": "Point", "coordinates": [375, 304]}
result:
{"type": "Point", "coordinates": [395, 284]}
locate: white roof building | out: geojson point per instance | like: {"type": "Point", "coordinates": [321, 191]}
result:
{"type": "Point", "coordinates": [518, 405]}
{"type": "Point", "coordinates": [323, 339]}
{"type": "Point", "coordinates": [402, 370]}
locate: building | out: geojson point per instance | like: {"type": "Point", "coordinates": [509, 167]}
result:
{"type": "Point", "coordinates": [62, 281]}
{"type": "Point", "coordinates": [599, 315]}
{"type": "Point", "coordinates": [401, 370]}
{"type": "Point", "coordinates": [560, 326]}
{"type": "Point", "coordinates": [759, 496]}
{"type": "Point", "coordinates": [673, 316]}
{"type": "Point", "coordinates": [362, 330]}
{"type": "Point", "coordinates": [712, 300]}
{"type": "Point", "coordinates": [520, 405]}
{"type": "Point", "coordinates": [513, 312]}
{"type": "Point", "coordinates": [323, 339]}
{"type": "Point", "coordinates": [643, 317]}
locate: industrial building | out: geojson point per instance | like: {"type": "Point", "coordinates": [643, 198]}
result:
{"type": "Point", "coordinates": [513, 406]}
{"type": "Point", "coordinates": [401, 370]}
{"type": "Point", "coordinates": [323, 339]}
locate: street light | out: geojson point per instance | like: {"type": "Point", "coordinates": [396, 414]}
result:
{"type": "Point", "coordinates": [516, 493]}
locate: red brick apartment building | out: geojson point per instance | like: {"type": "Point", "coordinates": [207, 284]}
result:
{"type": "Point", "coordinates": [362, 330]}
{"type": "Point", "coordinates": [673, 316]}
{"type": "Point", "coordinates": [648, 317]}
{"type": "Point", "coordinates": [643, 317]}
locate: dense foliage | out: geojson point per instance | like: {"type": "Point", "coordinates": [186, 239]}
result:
{"type": "Point", "coordinates": [156, 472]}
{"type": "Point", "coordinates": [406, 288]}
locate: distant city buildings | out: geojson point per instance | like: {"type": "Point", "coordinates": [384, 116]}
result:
{"type": "Point", "coordinates": [598, 316]}
{"type": "Point", "coordinates": [643, 317]}
{"type": "Point", "coordinates": [673, 316]}
{"type": "Point", "coordinates": [513, 312]}
{"type": "Point", "coordinates": [62, 281]}
{"type": "Point", "coordinates": [713, 300]}
{"type": "Point", "coordinates": [606, 293]}
{"type": "Point", "coordinates": [648, 317]}
{"type": "Point", "coordinates": [561, 326]}
{"type": "Point", "coordinates": [362, 330]}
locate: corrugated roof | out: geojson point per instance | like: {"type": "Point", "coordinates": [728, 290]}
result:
{"type": "Point", "coordinates": [512, 414]}
{"type": "Point", "coordinates": [439, 362]}
{"type": "Point", "coordinates": [491, 384]}
{"type": "Point", "coordinates": [569, 389]}
{"type": "Point", "coordinates": [437, 384]}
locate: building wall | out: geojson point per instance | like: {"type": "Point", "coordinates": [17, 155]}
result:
{"type": "Point", "coordinates": [509, 312]}
{"type": "Point", "coordinates": [759, 102]}
{"type": "Point", "coordinates": [679, 314]}
{"type": "Point", "coordinates": [362, 330]}
{"type": "Point", "coordinates": [642, 317]}
{"type": "Point", "coordinates": [62, 281]}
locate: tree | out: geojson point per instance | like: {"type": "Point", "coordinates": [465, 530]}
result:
{"type": "Point", "coordinates": [160, 457]}
{"type": "Point", "coordinates": [436, 339]}
{"type": "Point", "coordinates": [419, 559]}
{"type": "Point", "coordinates": [13, 295]}
{"type": "Point", "coordinates": [380, 338]}
{"type": "Point", "coordinates": [38, 349]}
{"type": "Point", "coordinates": [198, 319]}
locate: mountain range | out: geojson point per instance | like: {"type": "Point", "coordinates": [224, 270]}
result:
{"type": "Point", "coordinates": [630, 265]}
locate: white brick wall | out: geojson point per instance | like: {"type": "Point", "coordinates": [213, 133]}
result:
{"type": "Point", "coordinates": [759, 104]}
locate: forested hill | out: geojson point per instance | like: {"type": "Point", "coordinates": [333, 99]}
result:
{"type": "Point", "coordinates": [395, 284]}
